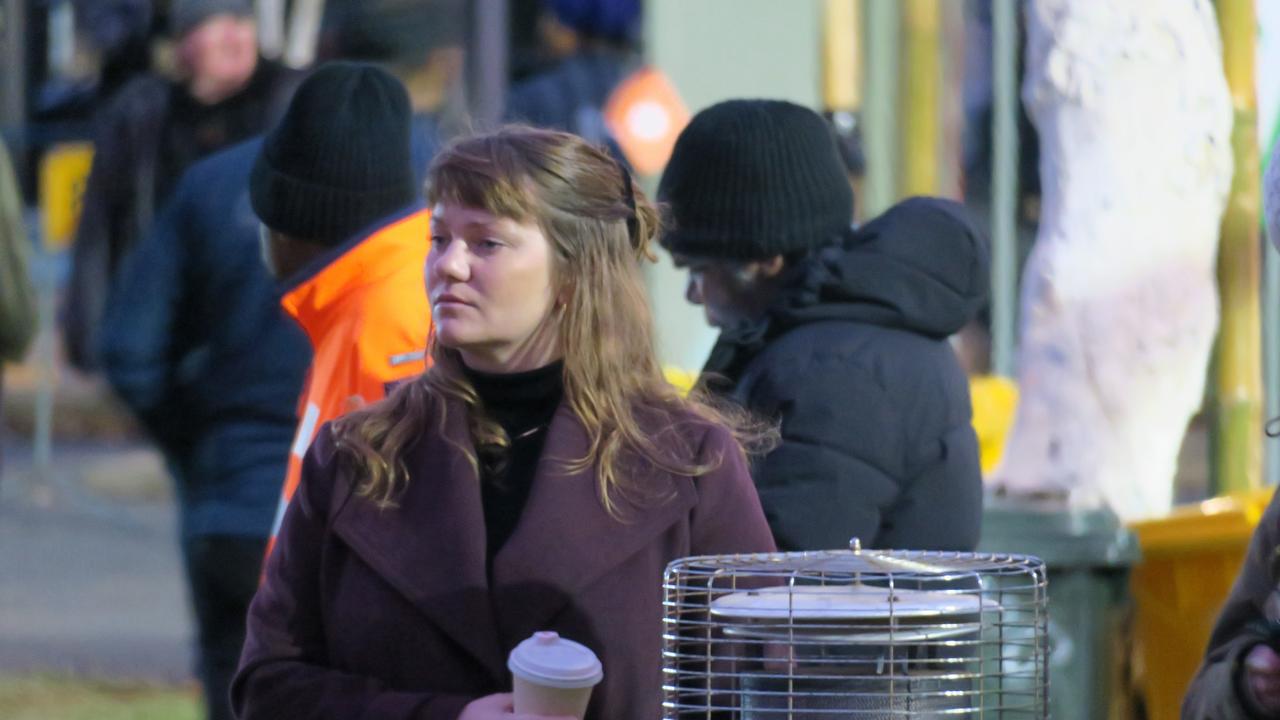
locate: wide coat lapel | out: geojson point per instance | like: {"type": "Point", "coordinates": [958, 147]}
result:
{"type": "Point", "coordinates": [565, 539]}
{"type": "Point", "coordinates": [431, 547]}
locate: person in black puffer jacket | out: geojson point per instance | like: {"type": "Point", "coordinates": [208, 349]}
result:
{"type": "Point", "coordinates": [840, 335]}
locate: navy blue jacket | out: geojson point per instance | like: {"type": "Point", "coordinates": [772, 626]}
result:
{"type": "Point", "coordinates": [572, 95]}
{"type": "Point", "coordinates": [853, 361]}
{"type": "Point", "coordinates": [195, 342]}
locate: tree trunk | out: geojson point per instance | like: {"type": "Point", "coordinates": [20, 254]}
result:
{"type": "Point", "coordinates": [1119, 304]}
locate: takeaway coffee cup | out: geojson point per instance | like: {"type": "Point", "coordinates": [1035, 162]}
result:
{"type": "Point", "coordinates": [553, 676]}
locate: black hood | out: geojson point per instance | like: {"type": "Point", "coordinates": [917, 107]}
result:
{"type": "Point", "coordinates": [921, 266]}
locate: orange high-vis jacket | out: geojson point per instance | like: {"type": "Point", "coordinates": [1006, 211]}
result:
{"type": "Point", "coordinates": [367, 315]}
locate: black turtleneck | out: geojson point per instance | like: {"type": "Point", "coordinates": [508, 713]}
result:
{"type": "Point", "coordinates": [523, 404]}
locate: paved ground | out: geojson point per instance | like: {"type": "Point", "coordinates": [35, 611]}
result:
{"type": "Point", "coordinates": [90, 575]}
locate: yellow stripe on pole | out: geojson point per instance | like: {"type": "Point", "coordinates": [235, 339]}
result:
{"type": "Point", "coordinates": [842, 61]}
{"type": "Point", "coordinates": [1239, 368]}
{"type": "Point", "coordinates": [921, 90]}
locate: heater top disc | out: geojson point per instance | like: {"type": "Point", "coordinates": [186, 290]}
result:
{"type": "Point", "coordinates": [842, 602]}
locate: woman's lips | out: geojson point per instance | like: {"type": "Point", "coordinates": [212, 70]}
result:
{"type": "Point", "coordinates": [449, 299]}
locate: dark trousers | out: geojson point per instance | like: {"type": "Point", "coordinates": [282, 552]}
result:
{"type": "Point", "coordinates": [222, 572]}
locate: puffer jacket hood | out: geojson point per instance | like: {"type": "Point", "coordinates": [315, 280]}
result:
{"type": "Point", "coordinates": [921, 266]}
{"type": "Point", "coordinates": [852, 362]}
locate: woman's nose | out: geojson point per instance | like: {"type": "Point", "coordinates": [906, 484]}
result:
{"type": "Point", "coordinates": [451, 262]}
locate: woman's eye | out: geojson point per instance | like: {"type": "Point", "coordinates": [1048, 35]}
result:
{"type": "Point", "coordinates": [440, 240]}
{"type": "Point", "coordinates": [488, 245]}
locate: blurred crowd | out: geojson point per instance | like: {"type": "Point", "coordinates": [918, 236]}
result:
{"type": "Point", "coordinates": [322, 286]}
{"type": "Point", "coordinates": [169, 297]}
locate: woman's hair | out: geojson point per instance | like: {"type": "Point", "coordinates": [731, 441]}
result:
{"type": "Point", "coordinates": [600, 228]}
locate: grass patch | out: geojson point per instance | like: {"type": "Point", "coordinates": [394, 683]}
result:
{"type": "Point", "coordinates": [44, 697]}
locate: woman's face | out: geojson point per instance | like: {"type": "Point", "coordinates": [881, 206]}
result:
{"type": "Point", "coordinates": [489, 280]}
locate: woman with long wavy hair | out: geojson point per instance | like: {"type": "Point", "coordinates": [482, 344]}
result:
{"type": "Point", "coordinates": [539, 476]}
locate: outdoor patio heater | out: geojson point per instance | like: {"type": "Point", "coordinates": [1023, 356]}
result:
{"type": "Point", "coordinates": [857, 633]}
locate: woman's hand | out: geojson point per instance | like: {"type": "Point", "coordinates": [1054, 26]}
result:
{"type": "Point", "coordinates": [1262, 678]}
{"type": "Point", "coordinates": [498, 707]}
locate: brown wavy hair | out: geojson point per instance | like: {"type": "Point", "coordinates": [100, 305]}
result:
{"type": "Point", "coordinates": [601, 228]}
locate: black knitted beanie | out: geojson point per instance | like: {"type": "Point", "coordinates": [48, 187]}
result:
{"type": "Point", "coordinates": [186, 15]}
{"type": "Point", "coordinates": [339, 159]}
{"type": "Point", "coordinates": [750, 179]}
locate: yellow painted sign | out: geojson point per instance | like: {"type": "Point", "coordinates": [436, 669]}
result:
{"type": "Point", "coordinates": [64, 172]}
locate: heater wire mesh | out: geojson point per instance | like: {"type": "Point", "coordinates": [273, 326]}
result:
{"type": "Point", "coordinates": [855, 634]}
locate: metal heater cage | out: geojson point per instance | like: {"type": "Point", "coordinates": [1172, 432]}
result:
{"type": "Point", "coordinates": [855, 634]}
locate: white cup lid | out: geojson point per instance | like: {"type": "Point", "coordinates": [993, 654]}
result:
{"type": "Point", "coordinates": [552, 661]}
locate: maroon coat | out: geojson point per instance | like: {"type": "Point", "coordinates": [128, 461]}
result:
{"type": "Point", "coordinates": [387, 614]}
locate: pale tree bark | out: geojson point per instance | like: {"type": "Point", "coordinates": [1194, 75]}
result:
{"type": "Point", "coordinates": [304, 33]}
{"type": "Point", "coordinates": [270, 14]}
{"type": "Point", "coordinates": [1119, 301]}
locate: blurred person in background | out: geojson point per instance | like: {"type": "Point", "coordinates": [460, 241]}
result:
{"type": "Point", "coordinates": [591, 43]}
{"type": "Point", "coordinates": [17, 296]}
{"type": "Point", "coordinates": [840, 335]}
{"type": "Point", "coordinates": [111, 46]}
{"type": "Point", "coordinates": [120, 30]}
{"type": "Point", "coordinates": [420, 43]}
{"type": "Point", "coordinates": [344, 230]}
{"type": "Point", "coordinates": [194, 341]}
{"type": "Point", "coordinates": [152, 131]}
{"type": "Point", "coordinates": [852, 156]}
{"type": "Point", "coordinates": [1240, 676]}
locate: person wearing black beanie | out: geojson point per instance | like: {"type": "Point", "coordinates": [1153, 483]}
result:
{"type": "Point", "coordinates": [345, 229]}
{"type": "Point", "coordinates": [839, 335]}
{"type": "Point", "coordinates": [339, 159]}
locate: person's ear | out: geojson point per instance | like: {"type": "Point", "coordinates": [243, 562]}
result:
{"type": "Point", "coordinates": [771, 268]}
{"type": "Point", "coordinates": [563, 297]}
